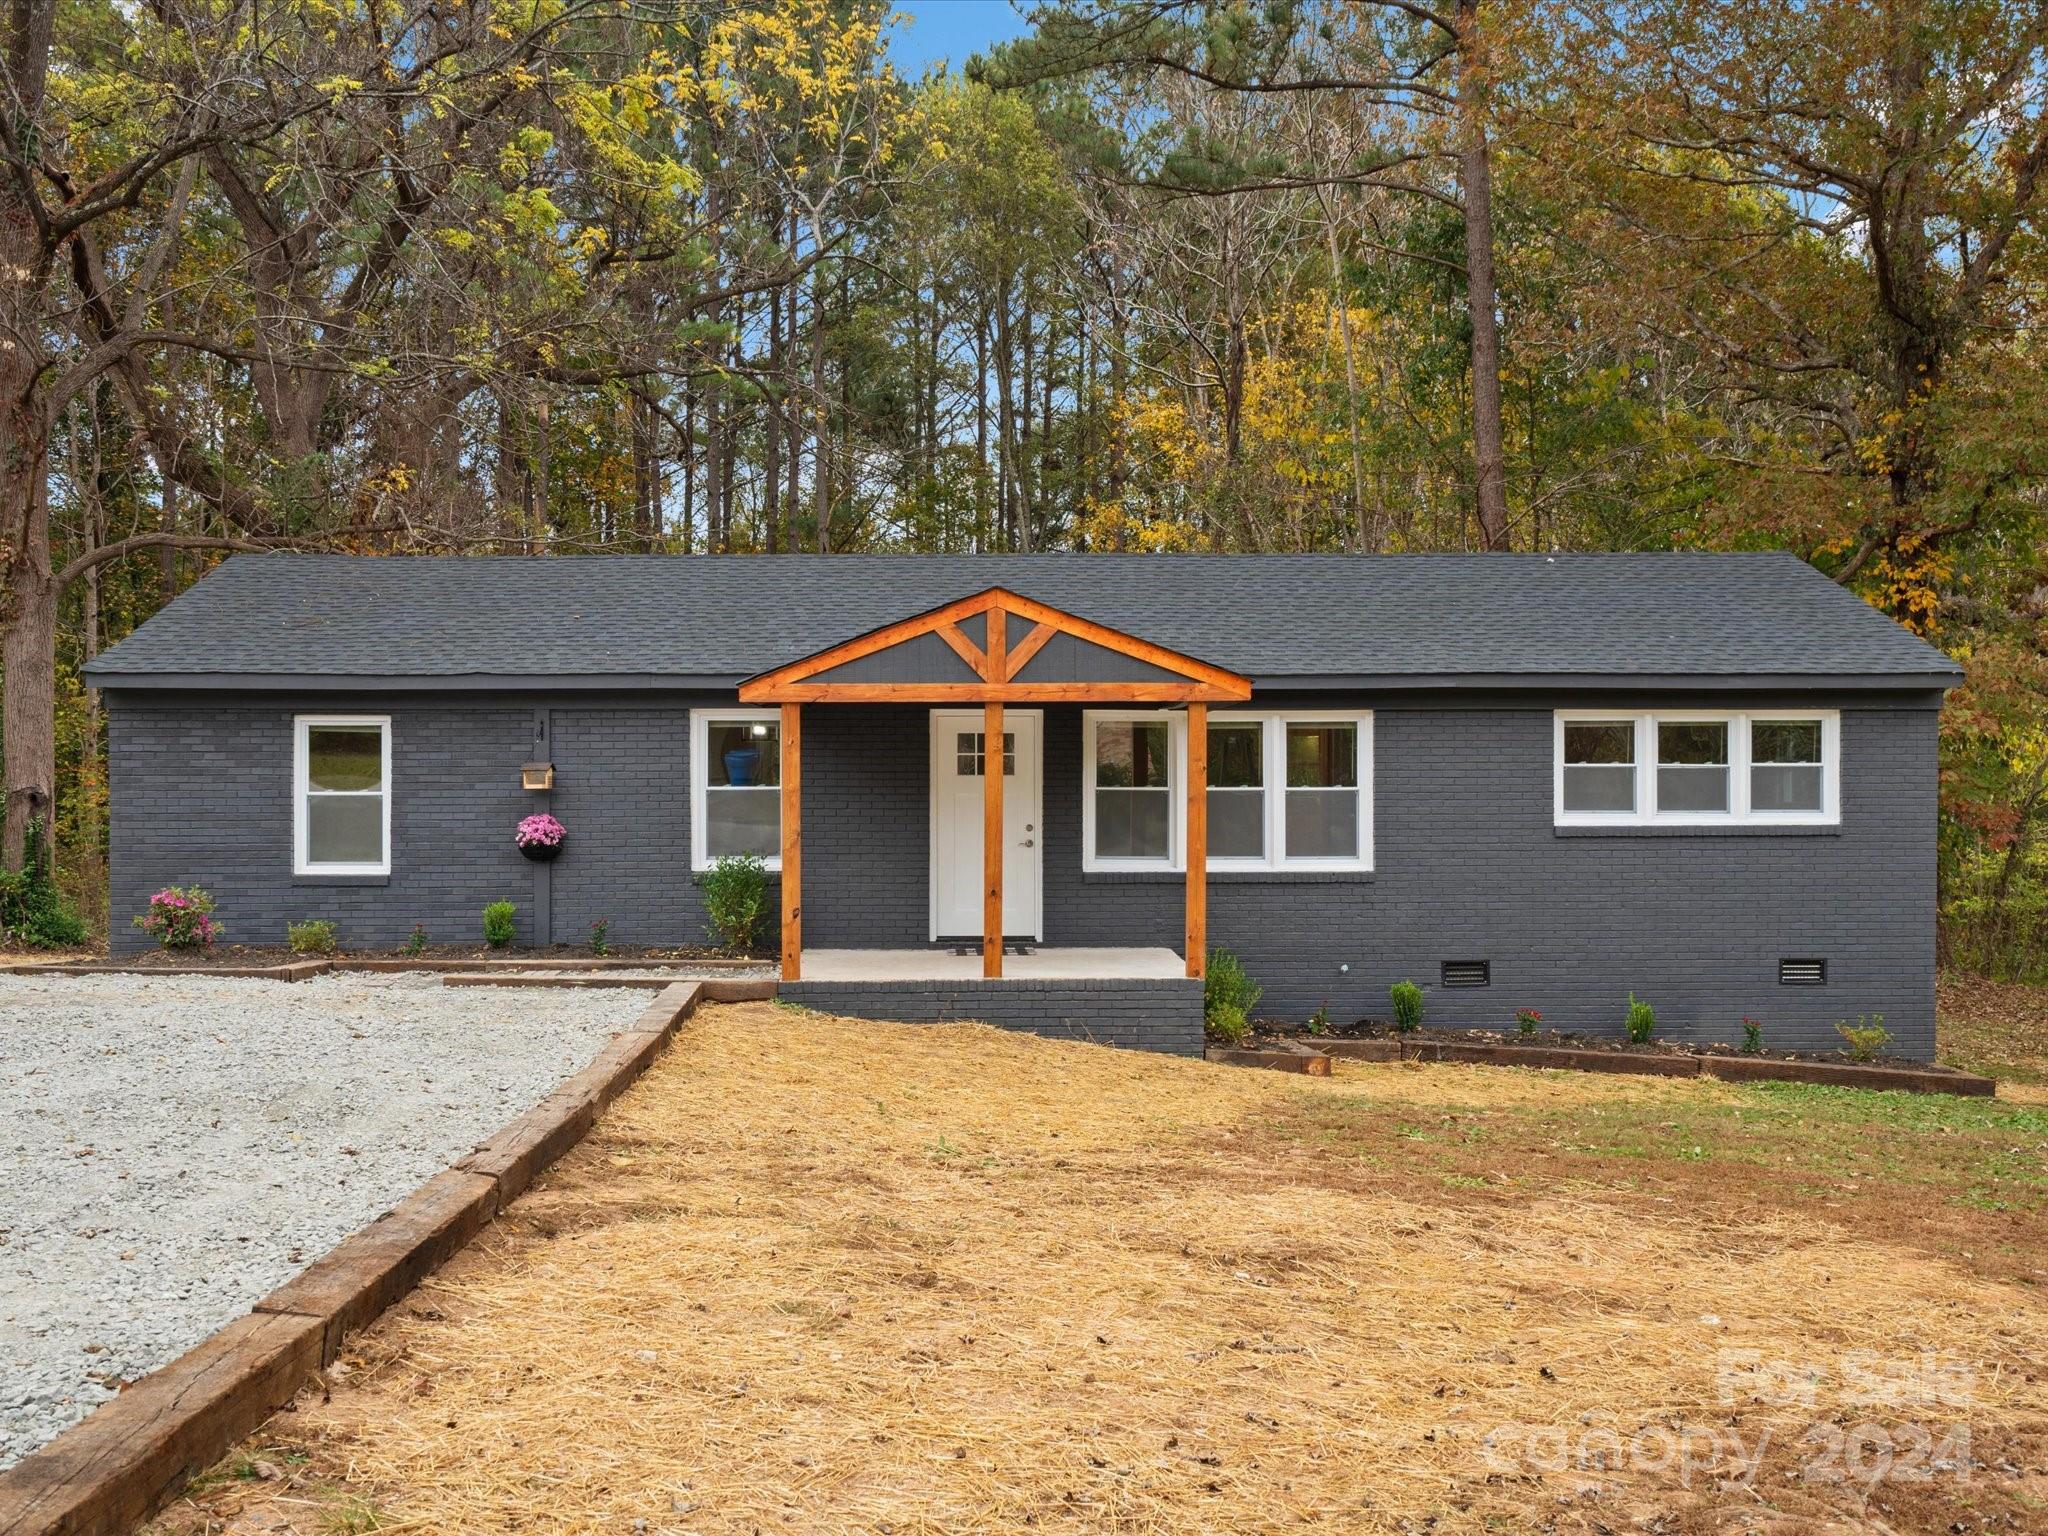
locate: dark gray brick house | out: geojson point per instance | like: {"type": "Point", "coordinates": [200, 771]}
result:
{"type": "Point", "coordinates": [1520, 781]}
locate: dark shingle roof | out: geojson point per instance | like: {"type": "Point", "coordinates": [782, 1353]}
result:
{"type": "Point", "coordinates": [328, 620]}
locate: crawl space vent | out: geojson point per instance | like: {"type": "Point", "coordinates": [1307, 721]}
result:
{"type": "Point", "coordinates": [1467, 973]}
{"type": "Point", "coordinates": [1802, 973]}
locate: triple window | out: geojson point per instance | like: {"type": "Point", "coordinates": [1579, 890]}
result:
{"type": "Point", "coordinates": [1697, 769]}
{"type": "Point", "coordinates": [1286, 791]}
{"type": "Point", "coordinates": [341, 799]}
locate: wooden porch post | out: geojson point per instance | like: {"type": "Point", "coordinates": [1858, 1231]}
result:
{"type": "Point", "coordinates": [1197, 944]}
{"type": "Point", "coordinates": [992, 840]}
{"type": "Point", "coordinates": [792, 842]}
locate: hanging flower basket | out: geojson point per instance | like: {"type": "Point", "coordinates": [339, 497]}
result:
{"type": "Point", "coordinates": [540, 838]}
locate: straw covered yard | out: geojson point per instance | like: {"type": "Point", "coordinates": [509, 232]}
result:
{"type": "Point", "coordinates": [820, 1275]}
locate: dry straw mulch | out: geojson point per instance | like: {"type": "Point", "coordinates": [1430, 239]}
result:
{"type": "Point", "coordinates": [814, 1275]}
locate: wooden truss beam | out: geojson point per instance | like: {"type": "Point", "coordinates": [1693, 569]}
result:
{"type": "Point", "coordinates": [994, 666]}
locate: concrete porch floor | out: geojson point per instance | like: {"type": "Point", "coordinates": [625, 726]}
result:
{"type": "Point", "coordinates": [1042, 964]}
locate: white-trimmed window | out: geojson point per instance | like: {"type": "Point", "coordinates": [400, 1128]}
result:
{"type": "Point", "coordinates": [735, 785]}
{"type": "Point", "coordinates": [1697, 768]}
{"type": "Point", "coordinates": [341, 797]}
{"type": "Point", "coordinates": [1288, 790]}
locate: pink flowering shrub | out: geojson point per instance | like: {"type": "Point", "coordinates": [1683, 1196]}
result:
{"type": "Point", "coordinates": [180, 917]}
{"type": "Point", "coordinates": [541, 831]}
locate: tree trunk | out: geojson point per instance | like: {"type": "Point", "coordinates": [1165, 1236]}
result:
{"type": "Point", "coordinates": [1475, 185]}
{"type": "Point", "coordinates": [821, 465]}
{"type": "Point", "coordinates": [28, 637]}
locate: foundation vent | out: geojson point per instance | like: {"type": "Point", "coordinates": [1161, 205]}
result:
{"type": "Point", "coordinates": [1467, 973]}
{"type": "Point", "coordinates": [1802, 973]}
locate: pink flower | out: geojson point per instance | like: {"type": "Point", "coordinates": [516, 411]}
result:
{"type": "Point", "coordinates": [541, 831]}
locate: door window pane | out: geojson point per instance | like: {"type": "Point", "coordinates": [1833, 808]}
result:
{"type": "Point", "coordinates": [1599, 765]}
{"type": "Point", "coordinates": [1692, 765]}
{"type": "Point", "coordinates": [967, 754]}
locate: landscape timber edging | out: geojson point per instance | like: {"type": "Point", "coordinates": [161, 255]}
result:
{"type": "Point", "coordinates": [1729, 1069]}
{"type": "Point", "coordinates": [124, 1461]}
{"type": "Point", "coordinates": [1279, 1058]}
{"type": "Point", "coordinates": [299, 970]}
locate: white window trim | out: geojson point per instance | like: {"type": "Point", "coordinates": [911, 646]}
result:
{"type": "Point", "coordinates": [302, 726]}
{"type": "Point", "coordinates": [700, 777]}
{"type": "Point", "coordinates": [1739, 812]}
{"type": "Point", "coordinates": [1273, 723]}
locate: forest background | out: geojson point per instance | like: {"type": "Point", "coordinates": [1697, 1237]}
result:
{"type": "Point", "coordinates": [535, 277]}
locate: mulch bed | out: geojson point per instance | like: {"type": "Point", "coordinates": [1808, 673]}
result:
{"type": "Point", "coordinates": [245, 956]}
{"type": "Point", "coordinates": [1268, 1031]}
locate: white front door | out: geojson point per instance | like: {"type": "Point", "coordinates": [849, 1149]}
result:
{"type": "Point", "coordinates": [958, 759]}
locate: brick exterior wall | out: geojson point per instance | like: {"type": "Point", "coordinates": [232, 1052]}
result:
{"type": "Point", "coordinates": [1150, 1015]}
{"type": "Point", "coordinates": [1468, 864]}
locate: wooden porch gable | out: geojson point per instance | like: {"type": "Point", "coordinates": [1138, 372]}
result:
{"type": "Point", "coordinates": [995, 648]}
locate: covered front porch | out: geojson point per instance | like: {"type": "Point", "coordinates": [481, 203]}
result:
{"type": "Point", "coordinates": [987, 667]}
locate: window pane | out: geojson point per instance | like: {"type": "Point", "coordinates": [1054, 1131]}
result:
{"type": "Point", "coordinates": [1320, 757]}
{"type": "Point", "coordinates": [1131, 754]}
{"type": "Point", "coordinates": [1236, 757]}
{"type": "Point", "coordinates": [1599, 787]}
{"type": "Point", "coordinates": [1603, 741]}
{"type": "Point", "coordinates": [743, 821]}
{"type": "Point", "coordinates": [1692, 741]}
{"type": "Point", "coordinates": [1784, 741]}
{"type": "Point", "coordinates": [744, 752]}
{"type": "Point", "coordinates": [344, 829]}
{"type": "Point", "coordinates": [1237, 823]}
{"type": "Point", "coordinates": [1132, 823]}
{"type": "Point", "coordinates": [1692, 789]}
{"type": "Point", "coordinates": [1322, 823]}
{"type": "Point", "coordinates": [345, 756]}
{"type": "Point", "coordinates": [1790, 787]}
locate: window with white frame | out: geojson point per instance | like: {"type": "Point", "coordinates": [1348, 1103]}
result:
{"type": "Point", "coordinates": [735, 785]}
{"type": "Point", "coordinates": [341, 802]}
{"type": "Point", "coordinates": [1287, 790]}
{"type": "Point", "coordinates": [1684, 767]}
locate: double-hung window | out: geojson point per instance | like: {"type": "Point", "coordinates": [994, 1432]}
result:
{"type": "Point", "coordinates": [1693, 768]}
{"type": "Point", "coordinates": [735, 785]}
{"type": "Point", "coordinates": [1287, 791]}
{"type": "Point", "coordinates": [341, 800]}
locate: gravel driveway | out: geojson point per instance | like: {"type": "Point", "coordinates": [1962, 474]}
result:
{"type": "Point", "coordinates": [175, 1148]}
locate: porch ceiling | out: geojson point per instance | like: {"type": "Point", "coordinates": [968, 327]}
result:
{"type": "Point", "coordinates": [1040, 964]}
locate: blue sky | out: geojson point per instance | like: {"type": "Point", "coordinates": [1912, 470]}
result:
{"type": "Point", "coordinates": [950, 30]}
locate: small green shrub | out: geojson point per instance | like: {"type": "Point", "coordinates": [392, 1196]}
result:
{"type": "Point", "coordinates": [1407, 1000]}
{"type": "Point", "coordinates": [1752, 1036]}
{"type": "Point", "coordinates": [1641, 1022]}
{"type": "Point", "coordinates": [416, 941]}
{"type": "Point", "coordinates": [1319, 1021]}
{"type": "Point", "coordinates": [32, 910]}
{"type": "Point", "coordinates": [1225, 985]}
{"type": "Point", "coordinates": [600, 936]}
{"type": "Point", "coordinates": [181, 917]}
{"type": "Point", "coordinates": [1526, 1020]}
{"type": "Point", "coordinates": [315, 936]}
{"type": "Point", "coordinates": [735, 899]}
{"type": "Point", "coordinates": [1228, 1025]}
{"type": "Point", "coordinates": [1867, 1037]}
{"type": "Point", "coordinates": [499, 923]}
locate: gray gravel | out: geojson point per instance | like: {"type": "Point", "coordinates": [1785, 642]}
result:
{"type": "Point", "coordinates": [172, 1149]}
